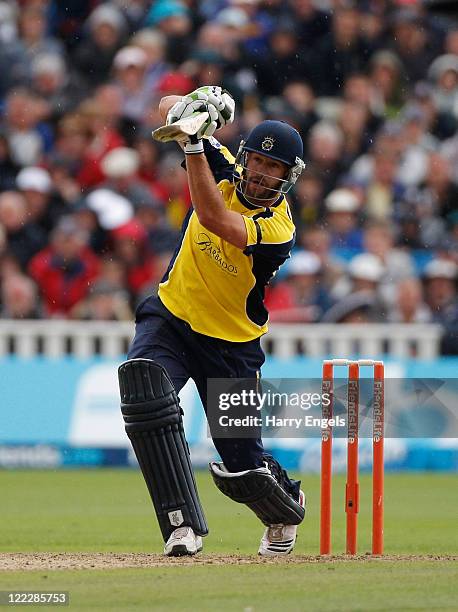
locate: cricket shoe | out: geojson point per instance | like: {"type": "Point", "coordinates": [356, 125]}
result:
{"type": "Point", "coordinates": [183, 541]}
{"type": "Point", "coordinates": [279, 539]}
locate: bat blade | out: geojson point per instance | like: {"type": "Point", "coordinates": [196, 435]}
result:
{"type": "Point", "coordinates": [181, 129]}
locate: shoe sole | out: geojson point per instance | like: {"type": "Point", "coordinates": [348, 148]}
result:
{"type": "Point", "coordinates": [180, 550]}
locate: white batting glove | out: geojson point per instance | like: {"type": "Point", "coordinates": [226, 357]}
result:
{"type": "Point", "coordinates": [221, 100]}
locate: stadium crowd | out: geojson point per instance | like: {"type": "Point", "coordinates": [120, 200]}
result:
{"type": "Point", "coordinates": [91, 205]}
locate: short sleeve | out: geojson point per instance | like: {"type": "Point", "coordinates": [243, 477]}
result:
{"type": "Point", "coordinates": [269, 228]}
{"type": "Point", "coordinates": [220, 159]}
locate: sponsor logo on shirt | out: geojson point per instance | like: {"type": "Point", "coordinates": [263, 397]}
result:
{"type": "Point", "coordinates": [207, 246]}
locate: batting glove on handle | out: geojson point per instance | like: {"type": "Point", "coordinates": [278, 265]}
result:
{"type": "Point", "coordinates": [204, 98]}
{"type": "Point", "coordinates": [221, 100]}
{"type": "Point", "coordinates": [188, 106]}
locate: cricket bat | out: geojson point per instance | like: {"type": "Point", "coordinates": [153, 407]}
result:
{"type": "Point", "coordinates": [181, 129]}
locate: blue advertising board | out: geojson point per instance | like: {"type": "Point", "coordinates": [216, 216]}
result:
{"type": "Point", "coordinates": [65, 413]}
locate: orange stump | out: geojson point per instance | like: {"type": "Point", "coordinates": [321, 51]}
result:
{"type": "Point", "coordinates": [352, 487]}
{"type": "Point", "coordinates": [352, 484]}
{"type": "Point", "coordinates": [326, 462]}
{"type": "Point", "coordinates": [377, 467]}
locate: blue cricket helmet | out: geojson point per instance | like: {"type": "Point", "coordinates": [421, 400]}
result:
{"type": "Point", "coordinates": [276, 139]}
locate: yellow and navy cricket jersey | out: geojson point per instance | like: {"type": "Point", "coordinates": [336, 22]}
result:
{"type": "Point", "coordinates": [211, 284]}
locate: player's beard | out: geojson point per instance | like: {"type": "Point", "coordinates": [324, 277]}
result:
{"type": "Point", "coordinates": [257, 192]}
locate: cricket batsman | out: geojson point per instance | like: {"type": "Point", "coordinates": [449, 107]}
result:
{"type": "Point", "coordinates": [207, 321]}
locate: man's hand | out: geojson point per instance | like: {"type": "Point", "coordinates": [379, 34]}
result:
{"type": "Point", "coordinates": [187, 107]}
{"type": "Point", "coordinates": [207, 98]}
{"type": "Point", "coordinates": [221, 100]}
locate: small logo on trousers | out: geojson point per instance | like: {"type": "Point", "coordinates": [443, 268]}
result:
{"type": "Point", "coordinates": [176, 518]}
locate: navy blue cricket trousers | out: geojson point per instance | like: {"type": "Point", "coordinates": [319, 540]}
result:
{"type": "Point", "coordinates": [186, 354]}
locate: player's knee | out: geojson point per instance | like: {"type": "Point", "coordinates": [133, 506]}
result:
{"type": "Point", "coordinates": [148, 398]}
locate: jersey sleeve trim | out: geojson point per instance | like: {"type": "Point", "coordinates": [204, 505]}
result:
{"type": "Point", "coordinates": [258, 232]}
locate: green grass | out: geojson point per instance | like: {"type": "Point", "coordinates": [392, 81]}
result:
{"type": "Point", "coordinates": [347, 586]}
{"type": "Point", "coordinates": [109, 510]}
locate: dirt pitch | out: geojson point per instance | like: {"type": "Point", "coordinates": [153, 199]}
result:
{"type": "Point", "coordinates": [97, 561]}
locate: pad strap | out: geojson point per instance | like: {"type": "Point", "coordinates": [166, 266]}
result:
{"type": "Point", "coordinates": [261, 492]}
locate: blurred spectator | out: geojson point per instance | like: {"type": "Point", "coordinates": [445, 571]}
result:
{"type": "Point", "coordinates": [412, 43]}
{"type": "Point", "coordinates": [300, 97]}
{"type": "Point", "coordinates": [172, 18]}
{"type": "Point", "coordinates": [317, 240]}
{"type": "Point", "coordinates": [300, 298]}
{"type": "Point", "coordinates": [109, 98]}
{"type": "Point", "coordinates": [65, 269]}
{"type": "Point", "coordinates": [440, 279]}
{"type": "Point", "coordinates": [72, 139]}
{"type": "Point", "coordinates": [340, 52]}
{"type": "Point", "coordinates": [162, 238]}
{"type": "Point", "coordinates": [112, 272]}
{"type": "Point", "coordinates": [26, 142]}
{"type": "Point", "coordinates": [34, 35]}
{"type": "Point", "coordinates": [409, 306]}
{"type": "Point", "coordinates": [19, 298]}
{"type": "Point", "coordinates": [60, 92]}
{"type": "Point", "coordinates": [364, 275]}
{"type": "Point", "coordinates": [433, 200]}
{"type": "Point", "coordinates": [62, 172]}
{"type": "Point", "coordinates": [8, 168]}
{"type": "Point", "coordinates": [444, 73]}
{"type": "Point", "coordinates": [102, 137]}
{"type": "Point", "coordinates": [383, 190]}
{"type": "Point", "coordinates": [325, 146]}
{"type": "Point", "coordinates": [307, 199]}
{"type": "Point", "coordinates": [94, 55]}
{"type": "Point", "coordinates": [365, 271]}
{"type": "Point", "coordinates": [261, 25]}
{"type": "Point", "coordinates": [130, 246]}
{"type": "Point", "coordinates": [120, 167]}
{"type": "Point", "coordinates": [358, 307]}
{"type": "Point", "coordinates": [359, 89]}
{"type": "Point", "coordinates": [312, 23]}
{"type": "Point", "coordinates": [148, 156]}
{"type": "Point", "coordinates": [105, 302]}
{"type": "Point", "coordinates": [9, 266]}
{"type": "Point", "coordinates": [130, 64]}
{"type": "Point", "coordinates": [173, 189]}
{"type": "Point", "coordinates": [112, 209]}
{"type": "Point", "coordinates": [153, 43]}
{"type": "Point", "coordinates": [14, 67]}
{"type": "Point", "coordinates": [438, 123]}
{"type": "Point", "coordinates": [341, 219]}
{"type": "Point", "coordinates": [449, 151]}
{"type": "Point", "coordinates": [43, 208]}
{"type": "Point", "coordinates": [385, 76]}
{"type": "Point", "coordinates": [23, 239]}
{"type": "Point", "coordinates": [282, 63]}
{"type": "Point", "coordinates": [398, 265]}
{"type": "Point", "coordinates": [418, 143]}
{"type": "Point", "coordinates": [87, 220]}
{"type": "Point", "coordinates": [353, 120]}
{"type": "Point", "coordinates": [372, 24]}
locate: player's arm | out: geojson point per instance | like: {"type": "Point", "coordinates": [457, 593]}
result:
{"type": "Point", "coordinates": [206, 198]}
{"type": "Point", "coordinates": [209, 204]}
